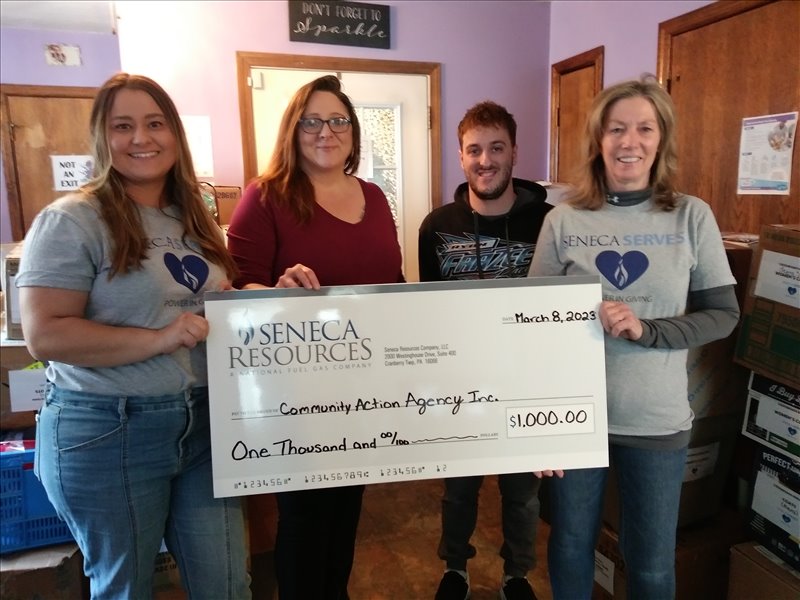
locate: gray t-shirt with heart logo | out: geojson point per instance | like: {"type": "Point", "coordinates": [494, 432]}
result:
{"type": "Point", "coordinates": [68, 247]}
{"type": "Point", "coordinates": [649, 259]}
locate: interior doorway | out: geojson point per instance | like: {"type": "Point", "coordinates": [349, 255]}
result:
{"type": "Point", "coordinates": [41, 122]}
{"type": "Point", "coordinates": [398, 106]}
{"type": "Point", "coordinates": [574, 83]}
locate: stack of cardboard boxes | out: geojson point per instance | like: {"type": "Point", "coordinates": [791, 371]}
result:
{"type": "Point", "coordinates": [746, 384]}
{"type": "Point", "coordinates": [48, 572]}
{"type": "Point", "coordinates": [768, 566]}
{"type": "Point", "coordinates": [708, 523]}
{"type": "Point", "coordinates": [14, 357]}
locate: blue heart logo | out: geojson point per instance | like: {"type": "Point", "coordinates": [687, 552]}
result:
{"type": "Point", "coordinates": [191, 271]}
{"type": "Point", "coordinates": [792, 290]}
{"type": "Point", "coordinates": [786, 518]}
{"type": "Point", "coordinates": [792, 431]}
{"type": "Point", "coordinates": [622, 269]}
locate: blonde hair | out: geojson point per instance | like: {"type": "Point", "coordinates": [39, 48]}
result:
{"type": "Point", "coordinates": [283, 179]}
{"type": "Point", "coordinates": [182, 188]}
{"type": "Point", "coordinates": [591, 187]}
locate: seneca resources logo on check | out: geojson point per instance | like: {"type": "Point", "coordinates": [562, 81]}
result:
{"type": "Point", "coordinates": [286, 344]}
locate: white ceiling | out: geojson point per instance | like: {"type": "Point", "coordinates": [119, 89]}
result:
{"type": "Point", "coordinates": [96, 17]}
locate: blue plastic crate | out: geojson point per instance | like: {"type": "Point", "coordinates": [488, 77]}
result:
{"type": "Point", "coordinates": [27, 519]}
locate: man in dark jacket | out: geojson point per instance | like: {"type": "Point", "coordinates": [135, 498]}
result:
{"type": "Point", "coordinates": [489, 231]}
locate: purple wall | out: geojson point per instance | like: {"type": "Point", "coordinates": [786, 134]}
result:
{"type": "Point", "coordinates": [496, 49]}
{"type": "Point", "coordinates": [500, 50]}
{"type": "Point", "coordinates": [22, 61]}
{"type": "Point", "coordinates": [22, 58]}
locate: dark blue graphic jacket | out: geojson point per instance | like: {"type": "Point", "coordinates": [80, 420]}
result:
{"type": "Point", "coordinates": [455, 242]}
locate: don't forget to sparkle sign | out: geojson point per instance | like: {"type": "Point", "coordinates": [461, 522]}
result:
{"type": "Point", "coordinates": [340, 23]}
{"type": "Point", "coordinates": [372, 384]}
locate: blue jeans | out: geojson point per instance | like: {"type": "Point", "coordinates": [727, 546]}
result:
{"type": "Point", "coordinates": [649, 490]}
{"type": "Point", "coordinates": [520, 515]}
{"type": "Point", "coordinates": [127, 472]}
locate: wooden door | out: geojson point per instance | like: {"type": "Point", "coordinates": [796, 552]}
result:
{"type": "Point", "coordinates": [575, 81]}
{"type": "Point", "coordinates": [39, 122]}
{"type": "Point", "coordinates": [722, 63]}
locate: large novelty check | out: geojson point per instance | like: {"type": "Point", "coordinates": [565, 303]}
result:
{"type": "Point", "coordinates": [372, 384]}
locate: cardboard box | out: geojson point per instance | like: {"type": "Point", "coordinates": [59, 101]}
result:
{"type": "Point", "coordinates": [10, 267]}
{"type": "Point", "coordinates": [757, 573]}
{"type": "Point", "coordinates": [708, 465]}
{"type": "Point", "coordinates": [702, 557]}
{"type": "Point", "coordinates": [717, 385]}
{"type": "Point", "coordinates": [165, 574]}
{"type": "Point", "coordinates": [740, 259]}
{"type": "Point", "coordinates": [769, 337]}
{"type": "Point", "coordinates": [772, 417]}
{"type": "Point", "coordinates": [774, 513]}
{"type": "Point", "coordinates": [55, 573]}
{"type": "Point", "coordinates": [13, 358]}
{"type": "Point", "coordinates": [228, 197]}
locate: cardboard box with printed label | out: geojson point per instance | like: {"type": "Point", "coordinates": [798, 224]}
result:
{"type": "Point", "coordinates": [14, 359]}
{"type": "Point", "coordinates": [228, 197]}
{"type": "Point", "coordinates": [757, 573]}
{"type": "Point", "coordinates": [772, 417]}
{"type": "Point", "coordinates": [774, 514]}
{"type": "Point", "coordinates": [769, 337]}
{"type": "Point", "coordinates": [166, 577]}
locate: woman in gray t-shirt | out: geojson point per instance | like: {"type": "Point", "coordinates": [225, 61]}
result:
{"type": "Point", "coordinates": [112, 281]}
{"type": "Point", "coordinates": [666, 287]}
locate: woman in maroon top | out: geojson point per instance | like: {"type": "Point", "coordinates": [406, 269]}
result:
{"type": "Point", "coordinates": [307, 221]}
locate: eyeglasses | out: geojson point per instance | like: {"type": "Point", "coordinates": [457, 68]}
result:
{"type": "Point", "coordinates": [314, 125]}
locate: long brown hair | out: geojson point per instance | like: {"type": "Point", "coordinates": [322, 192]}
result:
{"type": "Point", "coordinates": [591, 188]}
{"type": "Point", "coordinates": [283, 179]}
{"type": "Point", "coordinates": [119, 212]}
